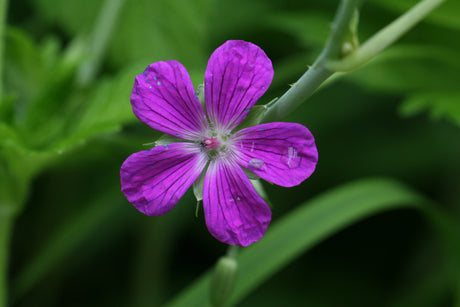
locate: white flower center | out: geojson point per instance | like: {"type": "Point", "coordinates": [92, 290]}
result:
{"type": "Point", "coordinates": [218, 146]}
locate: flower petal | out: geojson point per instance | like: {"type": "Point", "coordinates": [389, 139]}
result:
{"type": "Point", "coordinates": [282, 153]}
{"type": "Point", "coordinates": [234, 212]}
{"type": "Point", "coordinates": [154, 180]}
{"type": "Point", "coordinates": [237, 75]}
{"type": "Point", "coordinates": [163, 97]}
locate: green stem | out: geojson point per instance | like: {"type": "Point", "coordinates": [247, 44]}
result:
{"type": "Point", "coordinates": [6, 224]}
{"type": "Point", "coordinates": [328, 62]}
{"type": "Point", "coordinates": [3, 9]}
{"type": "Point", "coordinates": [100, 39]}
{"type": "Point", "coordinates": [232, 251]}
{"type": "Point", "coordinates": [385, 37]}
{"type": "Point", "coordinates": [318, 72]}
{"type": "Point", "coordinates": [150, 278]}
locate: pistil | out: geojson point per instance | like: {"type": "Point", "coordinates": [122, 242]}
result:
{"type": "Point", "coordinates": [211, 143]}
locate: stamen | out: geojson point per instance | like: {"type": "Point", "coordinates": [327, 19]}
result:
{"type": "Point", "coordinates": [211, 143]}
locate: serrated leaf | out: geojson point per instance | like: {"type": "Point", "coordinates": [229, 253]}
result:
{"type": "Point", "coordinates": [24, 75]}
{"type": "Point", "coordinates": [105, 108]}
{"type": "Point", "coordinates": [53, 114]}
{"type": "Point", "coordinates": [439, 105]}
{"type": "Point", "coordinates": [40, 78]}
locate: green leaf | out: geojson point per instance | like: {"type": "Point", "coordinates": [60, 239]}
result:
{"type": "Point", "coordinates": [146, 30]}
{"type": "Point", "coordinates": [6, 108]}
{"type": "Point", "coordinates": [25, 68]}
{"type": "Point", "coordinates": [40, 79]}
{"type": "Point", "coordinates": [105, 108]}
{"type": "Point", "coordinates": [439, 105]}
{"type": "Point", "coordinates": [308, 225]}
{"type": "Point", "coordinates": [51, 113]}
{"type": "Point", "coordinates": [31, 67]}
{"type": "Point", "coordinates": [17, 166]}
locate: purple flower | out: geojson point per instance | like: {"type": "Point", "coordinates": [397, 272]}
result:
{"type": "Point", "coordinates": [237, 75]}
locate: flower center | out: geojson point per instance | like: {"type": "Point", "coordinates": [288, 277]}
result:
{"type": "Point", "coordinates": [217, 146]}
{"type": "Point", "coordinates": [211, 143]}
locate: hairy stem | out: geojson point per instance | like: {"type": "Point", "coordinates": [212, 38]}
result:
{"type": "Point", "coordinates": [385, 37]}
{"type": "Point", "coordinates": [329, 61]}
{"type": "Point", "coordinates": [232, 251]}
{"type": "Point", "coordinates": [318, 72]}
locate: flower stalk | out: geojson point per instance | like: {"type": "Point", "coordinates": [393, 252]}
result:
{"type": "Point", "coordinates": [223, 281]}
{"type": "Point", "coordinates": [385, 37]}
{"type": "Point", "coordinates": [332, 59]}
{"type": "Point", "coordinates": [318, 72]}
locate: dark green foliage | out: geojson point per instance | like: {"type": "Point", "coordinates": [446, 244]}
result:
{"type": "Point", "coordinates": [78, 242]}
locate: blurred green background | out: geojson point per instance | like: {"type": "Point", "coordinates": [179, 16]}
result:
{"type": "Point", "coordinates": [67, 128]}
